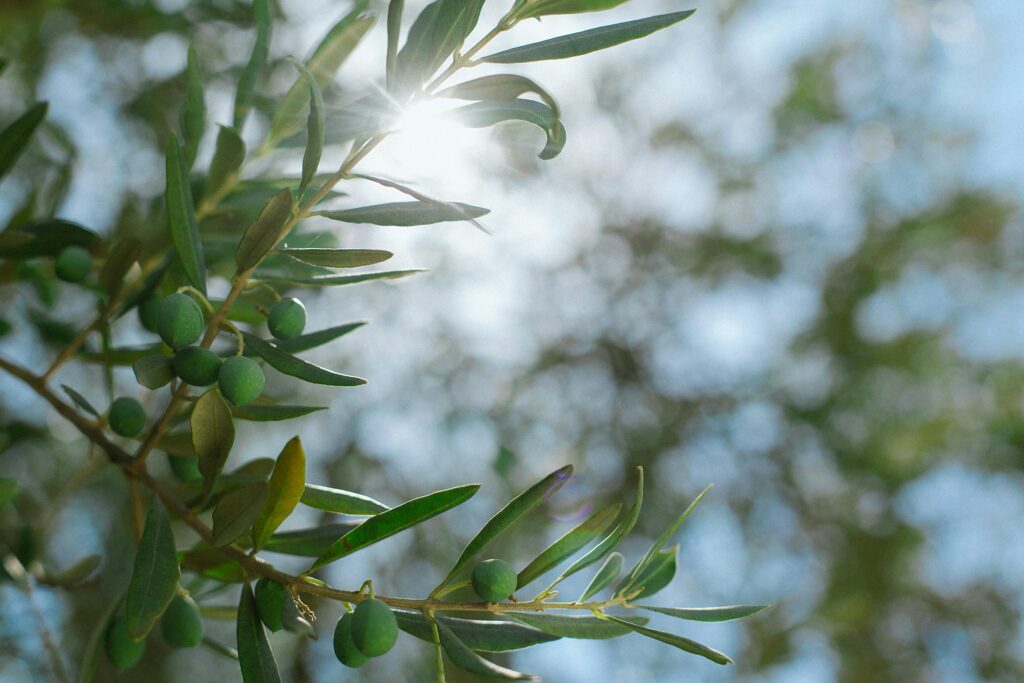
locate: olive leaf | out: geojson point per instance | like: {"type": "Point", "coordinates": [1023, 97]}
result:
{"type": "Point", "coordinates": [727, 613]}
{"type": "Point", "coordinates": [288, 364]}
{"type": "Point", "coordinates": [266, 231]}
{"type": "Point", "coordinates": [608, 572]}
{"type": "Point", "coordinates": [14, 138]}
{"type": "Point", "coordinates": [92, 653]}
{"type": "Point", "coordinates": [464, 658]}
{"type": "Point", "coordinates": [341, 280]}
{"type": "Point", "coordinates": [235, 512]}
{"type": "Point", "coordinates": [567, 545]}
{"type": "Point", "coordinates": [75, 574]}
{"type": "Point", "coordinates": [213, 434]}
{"type": "Point", "coordinates": [684, 644]}
{"type": "Point", "coordinates": [658, 574]}
{"type": "Point", "coordinates": [395, 8]}
{"type": "Point", "coordinates": [45, 237]}
{"type": "Point", "coordinates": [272, 412]}
{"type": "Point", "coordinates": [283, 493]}
{"type": "Point", "coordinates": [228, 155]}
{"type": "Point", "coordinates": [397, 519]}
{"type": "Point", "coordinates": [182, 218]}
{"type": "Point", "coordinates": [488, 113]}
{"type": "Point", "coordinates": [311, 542]}
{"type": "Point", "coordinates": [502, 87]}
{"type": "Point", "coordinates": [339, 501]}
{"type": "Point", "coordinates": [155, 575]}
{"type": "Point", "coordinates": [543, 8]}
{"type": "Point", "coordinates": [256, 64]}
{"type": "Point", "coordinates": [123, 255]}
{"type": "Point", "coordinates": [314, 128]}
{"type": "Point", "coordinates": [564, 626]}
{"type": "Point", "coordinates": [584, 42]}
{"type": "Point", "coordinates": [406, 213]}
{"type": "Point", "coordinates": [338, 258]}
{"type": "Point", "coordinates": [79, 400]}
{"type": "Point", "coordinates": [193, 114]}
{"type": "Point", "coordinates": [515, 510]}
{"type": "Point", "coordinates": [437, 32]}
{"type": "Point", "coordinates": [255, 658]}
{"type": "Point", "coordinates": [479, 635]}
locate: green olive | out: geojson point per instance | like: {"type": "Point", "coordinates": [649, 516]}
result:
{"type": "Point", "coordinates": [197, 366]}
{"type": "Point", "coordinates": [179, 320]}
{"type": "Point", "coordinates": [287, 318]}
{"type": "Point", "coordinates": [122, 651]}
{"type": "Point", "coordinates": [126, 416]}
{"type": "Point", "coordinates": [344, 646]}
{"type": "Point", "coordinates": [241, 380]}
{"type": "Point", "coordinates": [185, 468]}
{"type": "Point", "coordinates": [181, 626]}
{"type": "Point", "coordinates": [73, 264]}
{"type": "Point", "coordinates": [154, 371]}
{"type": "Point", "coordinates": [374, 627]}
{"type": "Point", "coordinates": [494, 580]}
{"type": "Point", "coordinates": [149, 313]}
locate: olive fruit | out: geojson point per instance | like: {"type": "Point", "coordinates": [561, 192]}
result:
{"type": "Point", "coordinates": [149, 313]}
{"type": "Point", "coordinates": [197, 366]}
{"type": "Point", "coordinates": [179, 320]}
{"type": "Point", "coordinates": [241, 380]}
{"type": "Point", "coordinates": [153, 372]}
{"type": "Point", "coordinates": [494, 580]}
{"type": "Point", "coordinates": [374, 627]}
{"type": "Point", "coordinates": [287, 318]}
{"type": "Point", "coordinates": [122, 651]}
{"type": "Point", "coordinates": [185, 468]}
{"type": "Point", "coordinates": [270, 597]}
{"type": "Point", "coordinates": [73, 264]}
{"type": "Point", "coordinates": [344, 646]}
{"type": "Point", "coordinates": [126, 416]}
{"type": "Point", "coordinates": [181, 625]}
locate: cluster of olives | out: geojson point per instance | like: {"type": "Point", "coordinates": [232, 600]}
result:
{"type": "Point", "coordinates": [181, 627]}
{"type": "Point", "coordinates": [73, 264]}
{"type": "Point", "coordinates": [366, 632]}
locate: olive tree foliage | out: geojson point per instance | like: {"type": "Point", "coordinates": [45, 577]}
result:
{"type": "Point", "coordinates": [207, 360]}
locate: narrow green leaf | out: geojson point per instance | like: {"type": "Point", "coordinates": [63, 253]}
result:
{"type": "Point", "coordinates": [340, 501]}
{"type": "Point", "coordinates": [182, 218]}
{"type": "Point", "coordinates": [75, 574]}
{"type": "Point", "coordinates": [608, 572]}
{"type": "Point", "coordinates": [407, 213]}
{"type": "Point", "coordinates": [655, 577]}
{"type": "Point", "coordinates": [256, 64]}
{"type": "Point", "coordinates": [564, 626]}
{"type": "Point", "coordinates": [122, 256]}
{"type": "Point", "coordinates": [489, 113]}
{"type": "Point", "coordinates": [284, 491]}
{"type": "Point", "coordinates": [609, 542]}
{"type": "Point", "coordinates": [122, 355]}
{"type": "Point", "coordinates": [155, 575]}
{"type": "Point", "coordinates": [97, 637]}
{"type": "Point", "coordinates": [14, 138]}
{"type": "Point", "coordinates": [341, 280]}
{"type": "Point", "coordinates": [544, 8]}
{"type": "Point", "coordinates": [338, 258]}
{"type": "Point", "coordinates": [397, 519]}
{"type": "Point", "coordinates": [477, 634]}
{"type": "Point", "coordinates": [193, 114]}
{"type": "Point", "coordinates": [437, 32]}
{"type": "Point", "coordinates": [46, 237]}
{"type": "Point", "coordinates": [567, 545]}
{"type": "Point", "coordinates": [314, 128]}
{"type": "Point", "coordinates": [584, 42]}
{"type": "Point", "coordinates": [80, 400]}
{"type": "Point", "coordinates": [464, 658]}
{"type": "Point", "coordinates": [312, 542]}
{"type": "Point", "coordinates": [255, 658]}
{"type": "Point", "coordinates": [296, 367]}
{"type": "Point", "coordinates": [727, 613]}
{"type": "Point", "coordinates": [515, 510]}
{"type": "Point", "coordinates": [266, 231]}
{"type": "Point", "coordinates": [327, 58]}
{"type": "Point", "coordinates": [659, 543]}
{"type": "Point", "coordinates": [272, 412]}
{"type": "Point", "coordinates": [684, 644]}
{"type": "Point", "coordinates": [312, 340]}
{"type": "Point", "coordinates": [235, 512]}
{"type": "Point", "coordinates": [503, 87]}
{"type": "Point", "coordinates": [395, 8]}
{"type": "Point", "coordinates": [228, 156]}
{"type": "Point", "coordinates": [213, 434]}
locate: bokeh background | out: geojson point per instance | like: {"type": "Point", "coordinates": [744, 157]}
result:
{"type": "Point", "coordinates": [781, 252]}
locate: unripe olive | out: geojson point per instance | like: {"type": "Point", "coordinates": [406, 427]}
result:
{"type": "Point", "coordinates": [154, 371]}
{"type": "Point", "coordinates": [374, 627]}
{"type": "Point", "coordinates": [494, 580]}
{"type": "Point", "coordinates": [344, 646]}
{"type": "Point", "coordinates": [287, 318]}
{"type": "Point", "coordinates": [185, 468]}
{"type": "Point", "coordinates": [149, 313]}
{"type": "Point", "coordinates": [197, 366]}
{"type": "Point", "coordinates": [126, 416]}
{"type": "Point", "coordinates": [241, 380]}
{"type": "Point", "coordinates": [122, 651]}
{"type": "Point", "coordinates": [181, 625]}
{"type": "Point", "coordinates": [270, 597]}
{"type": "Point", "coordinates": [73, 264]}
{"type": "Point", "coordinates": [179, 320]}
